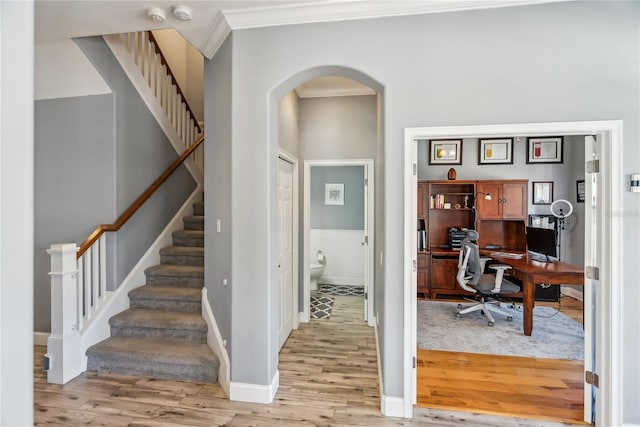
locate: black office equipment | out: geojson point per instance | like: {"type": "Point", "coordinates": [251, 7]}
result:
{"type": "Point", "coordinates": [455, 237]}
{"type": "Point", "coordinates": [542, 243]}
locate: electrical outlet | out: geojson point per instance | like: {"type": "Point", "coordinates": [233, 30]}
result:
{"type": "Point", "coordinates": [218, 226]}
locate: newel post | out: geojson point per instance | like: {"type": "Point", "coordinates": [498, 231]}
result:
{"type": "Point", "coordinates": [64, 344]}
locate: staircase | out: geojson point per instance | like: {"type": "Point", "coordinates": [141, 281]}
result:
{"type": "Point", "coordinates": [163, 334]}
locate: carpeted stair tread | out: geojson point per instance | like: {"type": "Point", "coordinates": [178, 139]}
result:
{"type": "Point", "coordinates": [198, 208]}
{"type": "Point", "coordinates": [183, 270]}
{"type": "Point", "coordinates": [188, 237]}
{"type": "Point", "coordinates": [159, 319]}
{"type": "Point", "coordinates": [167, 293]}
{"type": "Point", "coordinates": [182, 255]}
{"type": "Point", "coordinates": [155, 358]}
{"type": "Point", "coordinates": [182, 250]}
{"type": "Point", "coordinates": [178, 275]}
{"type": "Point", "coordinates": [193, 222]}
{"type": "Point", "coordinates": [169, 298]}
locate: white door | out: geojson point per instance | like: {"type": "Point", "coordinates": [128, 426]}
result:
{"type": "Point", "coordinates": [365, 244]}
{"type": "Point", "coordinates": [592, 258]}
{"type": "Point", "coordinates": [285, 253]}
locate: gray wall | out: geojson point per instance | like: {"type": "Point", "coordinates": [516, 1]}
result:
{"type": "Point", "coordinates": [94, 156]}
{"type": "Point", "coordinates": [349, 216]}
{"type": "Point", "coordinates": [434, 70]}
{"type": "Point", "coordinates": [340, 127]}
{"type": "Point", "coordinates": [75, 165]}
{"type": "Point", "coordinates": [217, 160]}
{"type": "Point", "coordinates": [288, 124]}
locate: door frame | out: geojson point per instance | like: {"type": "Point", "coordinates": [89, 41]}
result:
{"type": "Point", "coordinates": [368, 165]}
{"type": "Point", "coordinates": [608, 319]}
{"type": "Point", "coordinates": [290, 158]}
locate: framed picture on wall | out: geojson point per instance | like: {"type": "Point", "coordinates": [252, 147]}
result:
{"type": "Point", "coordinates": [333, 194]}
{"type": "Point", "coordinates": [545, 150]}
{"type": "Point", "coordinates": [542, 193]}
{"type": "Point", "coordinates": [495, 151]}
{"type": "Point", "coordinates": [580, 191]}
{"type": "Point", "coordinates": [445, 152]}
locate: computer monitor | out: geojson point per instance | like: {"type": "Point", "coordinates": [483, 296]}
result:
{"type": "Point", "coordinates": [542, 242]}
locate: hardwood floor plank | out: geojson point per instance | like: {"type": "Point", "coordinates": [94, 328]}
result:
{"type": "Point", "coordinates": [328, 377]}
{"type": "Point", "coordinates": [547, 389]}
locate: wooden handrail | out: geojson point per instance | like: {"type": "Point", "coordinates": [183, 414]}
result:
{"type": "Point", "coordinates": [163, 61]}
{"type": "Point", "coordinates": [99, 231]}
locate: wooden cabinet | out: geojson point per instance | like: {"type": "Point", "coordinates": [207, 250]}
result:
{"type": "Point", "coordinates": [443, 275]}
{"type": "Point", "coordinates": [502, 220]}
{"type": "Point", "coordinates": [423, 199]}
{"type": "Point", "coordinates": [450, 206]}
{"type": "Point", "coordinates": [460, 204]}
{"type": "Point", "coordinates": [508, 199]}
{"type": "Point", "coordinates": [424, 273]}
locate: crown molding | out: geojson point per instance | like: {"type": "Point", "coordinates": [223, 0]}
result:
{"type": "Point", "coordinates": [342, 10]}
{"type": "Point", "coordinates": [220, 29]}
{"type": "Point", "coordinates": [313, 12]}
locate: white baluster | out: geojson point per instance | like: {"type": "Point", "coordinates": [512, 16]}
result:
{"type": "Point", "coordinates": [86, 260]}
{"type": "Point", "coordinates": [80, 293]}
{"type": "Point", "coordinates": [103, 267]}
{"type": "Point", "coordinates": [95, 277]}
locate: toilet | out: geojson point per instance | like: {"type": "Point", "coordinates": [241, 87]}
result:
{"type": "Point", "coordinates": [315, 271]}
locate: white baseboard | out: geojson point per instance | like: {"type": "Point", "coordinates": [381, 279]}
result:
{"type": "Point", "coordinates": [254, 393]}
{"type": "Point", "coordinates": [630, 425]}
{"type": "Point", "coordinates": [392, 406]}
{"type": "Point", "coordinates": [389, 406]}
{"type": "Point", "coordinates": [40, 338]}
{"type": "Point", "coordinates": [572, 292]}
{"type": "Point", "coordinates": [217, 344]}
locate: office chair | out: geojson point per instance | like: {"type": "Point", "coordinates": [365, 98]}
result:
{"type": "Point", "coordinates": [486, 287]}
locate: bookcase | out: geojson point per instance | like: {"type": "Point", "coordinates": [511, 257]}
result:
{"type": "Point", "coordinates": [444, 205]}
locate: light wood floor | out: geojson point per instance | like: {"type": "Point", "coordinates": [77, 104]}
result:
{"type": "Point", "coordinates": [328, 377]}
{"type": "Point", "coordinates": [536, 388]}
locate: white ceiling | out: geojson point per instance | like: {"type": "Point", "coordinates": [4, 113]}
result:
{"type": "Point", "coordinates": [213, 19]}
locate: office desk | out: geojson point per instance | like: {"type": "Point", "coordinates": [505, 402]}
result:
{"type": "Point", "coordinates": [532, 272]}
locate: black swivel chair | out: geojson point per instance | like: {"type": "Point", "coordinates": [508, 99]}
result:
{"type": "Point", "coordinates": [486, 287]}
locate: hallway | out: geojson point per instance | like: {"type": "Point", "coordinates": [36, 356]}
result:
{"type": "Point", "coordinates": [328, 377]}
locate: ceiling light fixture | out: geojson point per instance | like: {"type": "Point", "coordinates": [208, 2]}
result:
{"type": "Point", "coordinates": [182, 12]}
{"type": "Point", "coordinates": [156, 14]}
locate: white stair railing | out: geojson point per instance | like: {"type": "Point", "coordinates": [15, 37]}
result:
{"type": "Point", "coordinates": [151, 62]}
{"type": "Point", "coordinates": [78, 289]}
{"type": "Point", "coordinates": [80, 301]}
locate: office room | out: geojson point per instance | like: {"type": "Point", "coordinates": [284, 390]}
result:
{"type": "Point", "coordinates": [491, 358]}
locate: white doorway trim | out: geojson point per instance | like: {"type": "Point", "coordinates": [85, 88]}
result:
{"type": "Point", "coordinates": [370, 173]}
{"type": "Point", "coordinates": [288, 157]}
{"type": "Point", "coordinates": [608, 316]}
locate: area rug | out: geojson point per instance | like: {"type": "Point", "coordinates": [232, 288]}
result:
{"type": "Point", "coordinates": [321, 307]}
{"type": "Point", "coordinates": [554, 336]}
{"type": "Point", "coordinates": [341, 290]}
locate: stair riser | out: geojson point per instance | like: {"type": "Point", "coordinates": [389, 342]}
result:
{"type": "Point", "coordinates": [206, 374]}
{"type": "Point", "coordinates": [182, 260]}
{"type": "Point", "coordinates": [155, 333]}
{"type": "Point", "coordinates": [189, 282]}
{"type": "Point", "coordinates": [168, 305]}
{"type": "Point", "coordinates": [193, 224]}
{"type": "Point", "coordinates": [191, 241]}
